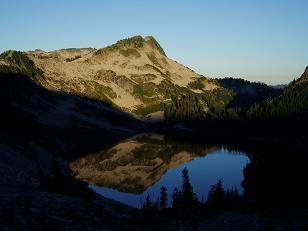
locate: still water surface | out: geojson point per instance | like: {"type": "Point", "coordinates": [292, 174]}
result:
{"type": "Point", "coordinates": [140, 166]}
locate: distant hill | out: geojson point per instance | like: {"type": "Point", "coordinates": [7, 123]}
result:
{"type": "Point", "coordinates": [279, 86]}
{"type": "Point", "coordinates": [293, 103]}
{"type": "Point", "coordinates": [248, 93]}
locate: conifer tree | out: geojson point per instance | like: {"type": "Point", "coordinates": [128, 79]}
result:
{"type": "Point", "coordinates": [163, 199]}
{"type": "Point", "coordinates": [176, 196]}
{"type": "Point", "coordinates": [188, 195]}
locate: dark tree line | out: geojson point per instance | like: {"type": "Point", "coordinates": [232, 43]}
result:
{"type": "Point", "coordinates": [185, 107]}
{"type": "Point", "coordinates": [193, 107]}
{"type": "Point", "coordinates": [247, 93]}
{"type": "Point", "coordinates": [292, 103]}
{"type": "Point", "coordinates": [185, 199]}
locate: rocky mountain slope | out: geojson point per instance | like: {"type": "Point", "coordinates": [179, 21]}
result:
{"type": "Point", "coordinates": [133, 75]}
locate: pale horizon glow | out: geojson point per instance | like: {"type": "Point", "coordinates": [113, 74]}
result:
{"type": "Point", "coordinates": [262, 40]}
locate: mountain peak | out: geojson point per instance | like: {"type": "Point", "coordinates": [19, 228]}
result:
{"type": "Point", "coordinates": [304, 76]}
{"type": "Point", "coordinates": [135, 42]}
{"type": "Point", "coordinates": [153, 42]}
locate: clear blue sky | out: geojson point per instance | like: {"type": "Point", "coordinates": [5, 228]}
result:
{"type": "Point", "coordinates": [264, 40]}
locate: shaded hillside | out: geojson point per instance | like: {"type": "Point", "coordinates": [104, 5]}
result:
{"type": "Point", "coordinates": [248, 93]}
{"type": "Point", "coordinates": [242, 100]}
{"type": "Point", "coordinates": [38, 128]}
{"type": "Point", "coordinates": [31, 111]}
{"type": "Point", "coordinates": [293, 103]}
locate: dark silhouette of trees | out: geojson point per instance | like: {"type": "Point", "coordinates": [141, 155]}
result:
{"type": "Point", "coordinates": [184, 198]}
{"type": "Point", "coordinates": [185, 107]}
{"type": "Point", "coordinates": [218, 198]}
{"type": "Point", "coordinates": [197, 107]}
{"type": "Point", "coordinates": [163, 199]}
{"type": "Point", "coordinates": [292, 103]}
{"type": "Point", "coordinates": [248, 93]}
{"type": "Point", "coordinates": [243, 101]}
{"type": "Point", "coordinates": [147, 204]}
{"type": "Point", "coordinates": [188, 195]}
{"type": "Point", "coordinates": [176, 198]}
{"type": "Point", "coordinates": [216, 194]}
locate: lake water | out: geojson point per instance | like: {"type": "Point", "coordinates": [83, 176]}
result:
{"type": "Point", "coordinates": [140, 166]}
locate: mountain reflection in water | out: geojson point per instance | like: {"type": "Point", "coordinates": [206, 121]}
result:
{"type": "Point", "coordinates": [136, 167]}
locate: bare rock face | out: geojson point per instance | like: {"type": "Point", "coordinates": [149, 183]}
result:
{"type": "Point", "coordinates": [107, 76]}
